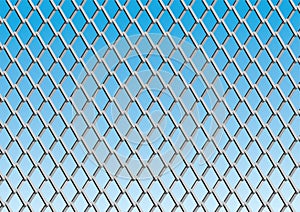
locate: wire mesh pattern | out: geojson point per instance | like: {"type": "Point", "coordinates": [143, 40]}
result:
{"type": "Point", "coordinates": [92, 106]}
{"type": "Point", "coordinates": [140, 121]}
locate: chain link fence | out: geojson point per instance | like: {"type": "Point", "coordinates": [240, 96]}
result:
{"type": "Point", "coordinates": [149, 106]}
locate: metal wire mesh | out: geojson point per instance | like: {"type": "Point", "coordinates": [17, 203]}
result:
{"type": "Point", "coordinates": [151, 105]}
